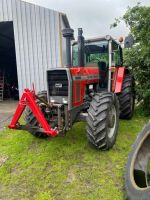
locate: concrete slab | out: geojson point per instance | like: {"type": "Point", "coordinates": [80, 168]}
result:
{"type": "Point", "coordinates": [7, 108]}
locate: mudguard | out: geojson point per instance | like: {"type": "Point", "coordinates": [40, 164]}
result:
{"type": "Point", "coordinates": [119, 79]}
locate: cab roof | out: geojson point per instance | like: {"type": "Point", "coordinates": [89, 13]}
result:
{"type": "Point", "coordinates": [103, 38]}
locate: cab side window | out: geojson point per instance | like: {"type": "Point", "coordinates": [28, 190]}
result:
{"type": "Point", "coordinates": [116, 54]}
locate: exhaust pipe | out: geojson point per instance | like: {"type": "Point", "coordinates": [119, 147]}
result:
{"type": "Point", "coordinates": [80, 48]}
{"type": "Point", "coordinates": [68, 33]}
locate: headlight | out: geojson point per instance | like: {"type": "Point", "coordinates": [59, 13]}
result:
{"type": "Point", "coordinates": [64, 101]}
{"type": "Point", "coordinates": [52, 100]}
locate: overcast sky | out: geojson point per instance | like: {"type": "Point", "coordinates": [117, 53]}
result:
{"type": "Point", "coordinates": [94, 16]}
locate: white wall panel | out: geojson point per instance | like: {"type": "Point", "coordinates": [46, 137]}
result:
{"type": "Point", "coordinates": [37, 40]}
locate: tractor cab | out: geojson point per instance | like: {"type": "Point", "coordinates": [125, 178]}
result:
{"type": "Point", "coordinates": [101, 52]}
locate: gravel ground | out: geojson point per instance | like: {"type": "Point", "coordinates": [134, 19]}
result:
{"type": "Point", "coordinates": [7, 108]}
{"type": "Point", "coordinates": [5, 118]}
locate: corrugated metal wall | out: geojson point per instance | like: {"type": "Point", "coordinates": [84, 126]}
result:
{"type": "Point", "coordinates": [38, 40]}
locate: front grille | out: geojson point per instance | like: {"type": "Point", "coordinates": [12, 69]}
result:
{"type": "Point", "coordinates": [57, 82]}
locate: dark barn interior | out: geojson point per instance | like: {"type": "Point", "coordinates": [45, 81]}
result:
{"type": "Point", "coordinates": [8, 67]}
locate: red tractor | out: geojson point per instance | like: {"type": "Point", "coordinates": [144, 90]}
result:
{"type": "Point", "coordinates": [94, 86]}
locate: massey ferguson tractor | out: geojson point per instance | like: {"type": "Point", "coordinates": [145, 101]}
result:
{"type": "Point", "coordinates": [94, 86]}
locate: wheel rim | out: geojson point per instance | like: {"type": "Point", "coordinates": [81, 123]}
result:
{"type": "Point", "coordinates": [112, 121]}
{"type": "Point", "coordinates": [140, 166]}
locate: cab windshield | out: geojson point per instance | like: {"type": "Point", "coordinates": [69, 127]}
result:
{"type": "Point", "coordinates": [95, 53]}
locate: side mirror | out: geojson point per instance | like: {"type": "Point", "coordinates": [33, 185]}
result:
{"type": "Point", "coordinates": [129, 41]}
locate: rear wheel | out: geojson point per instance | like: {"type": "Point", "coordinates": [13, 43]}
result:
{"type": "Point", "coordinates": [127, 98]}
{"type": "Point", "coordinates": [137, 178]}
{"type": "Point", "coordinates": [102, 120]}
{"type": "Point", "coordinates": [31, 119]}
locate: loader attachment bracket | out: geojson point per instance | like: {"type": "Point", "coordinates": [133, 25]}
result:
{"type": "Point", "coordinates": [29, 99]}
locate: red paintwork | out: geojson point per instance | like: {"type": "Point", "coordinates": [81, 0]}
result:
{"type": "Point", "coordinates": [29, 99]}
{"type": "Point", "coordinates": [119, 79]}
{"type": "Point", "coordinates": [82, 71]}
{"type": "Point", "coordinates": [114, 77]}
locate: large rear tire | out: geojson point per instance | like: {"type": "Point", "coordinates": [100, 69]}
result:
{"type": "Point", "coordinates": [137, 177]}
{"type": "Point", "coordinates": [102, 120]}
{"type": "Point", "coordinates": [127, 98]}
{"type": "Point", "coordinates": [31, 120]}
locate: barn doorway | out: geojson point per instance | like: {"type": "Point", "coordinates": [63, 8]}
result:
{"type": "Point", "coordinates": [8, 66]}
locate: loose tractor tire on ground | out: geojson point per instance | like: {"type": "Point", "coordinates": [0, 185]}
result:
{"type": "Point", "coordinates": [94, 86]}
{"type": "Point", "coordinates": [137, 177]}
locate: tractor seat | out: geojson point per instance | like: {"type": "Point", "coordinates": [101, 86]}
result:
{"type": "Point", "coordinates": [102, 66]}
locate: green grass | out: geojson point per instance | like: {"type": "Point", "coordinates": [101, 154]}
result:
{"type": "Point", "coordinates": [64, 167]}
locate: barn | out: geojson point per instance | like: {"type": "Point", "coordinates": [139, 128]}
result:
{"type": "Point", "coordinates": [30, 42]}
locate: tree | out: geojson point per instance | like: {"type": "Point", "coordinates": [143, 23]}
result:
{"type": "Point", "coordinates": [137, 58]}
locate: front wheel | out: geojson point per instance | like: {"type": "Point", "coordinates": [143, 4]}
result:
{"type": "Point", "coordinates": [32, 121]}
{"type": "Point", "coordinates": [137, 177]}
{"type": "Point", "coordinates": [103, 120]}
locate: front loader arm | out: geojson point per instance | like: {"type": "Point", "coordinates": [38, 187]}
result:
{"type": "Point", "coordinates": [29, 99]}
